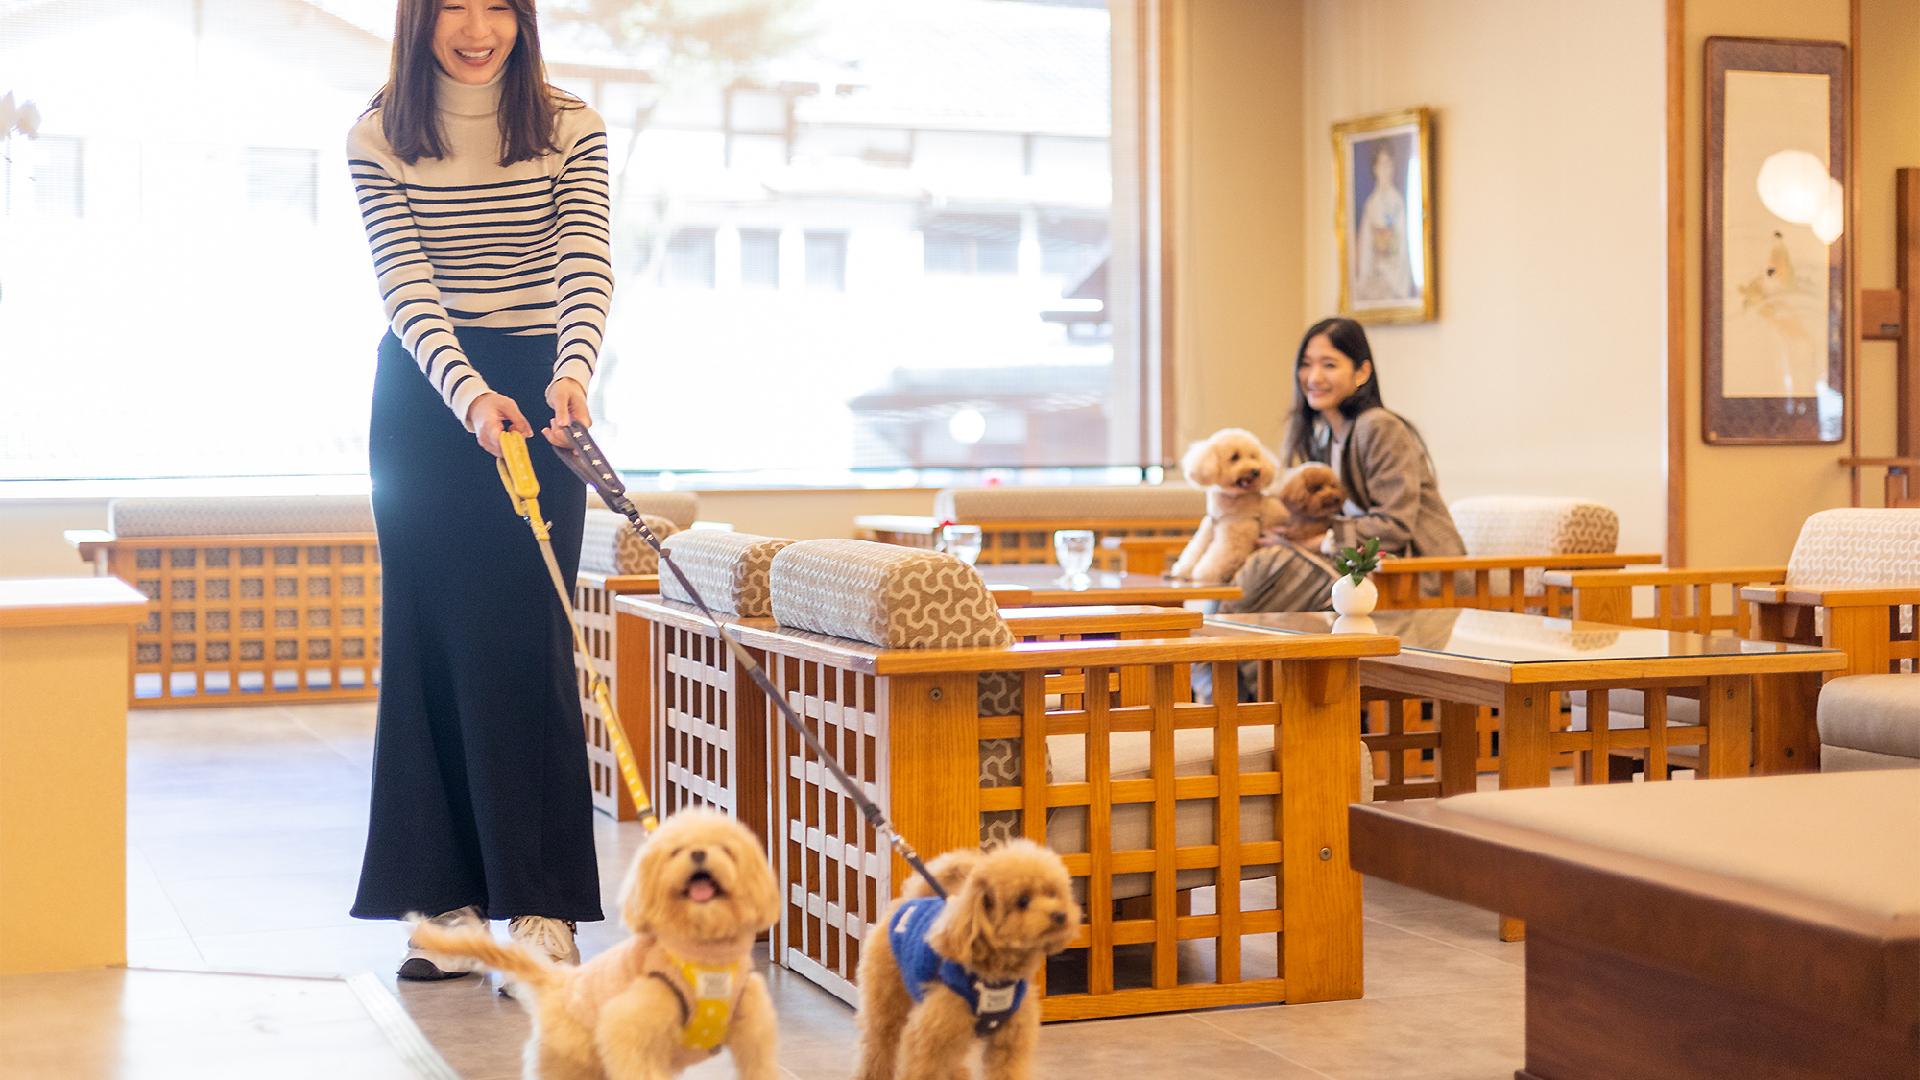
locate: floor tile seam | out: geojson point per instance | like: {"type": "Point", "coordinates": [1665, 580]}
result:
{"type": "Point", "coordinates": [1442, 941]}
{"type": "Point", "coordinates": [1263, 1049]}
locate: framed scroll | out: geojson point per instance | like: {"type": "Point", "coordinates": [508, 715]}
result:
{"type": "Point", "coordinates": [1774, 328]}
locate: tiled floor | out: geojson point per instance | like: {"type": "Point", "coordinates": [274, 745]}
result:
{"type": "Point", "coordinates": [245, 828]}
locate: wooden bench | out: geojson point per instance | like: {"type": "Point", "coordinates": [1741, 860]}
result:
{"type": "Point", "coordinates": [254, 599]}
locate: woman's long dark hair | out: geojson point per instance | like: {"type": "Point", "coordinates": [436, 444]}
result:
{"type": "Point", "coordinates": [409, 105]}
{"type": "Point", "coordinates": [1346, 336]}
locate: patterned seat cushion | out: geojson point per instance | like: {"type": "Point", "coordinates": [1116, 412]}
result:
{"type": "Point", "coordinates": [1070, 503]}
{"type": "Point", "coordinates": [1858, 548]}
{"type": "Point", "coordinates": [249, 515]}
{"type": "Point", "coordinates": [886, 595]}
{"type": "Point", "coordinates": [611, 545]}
{"type": "Point", "coordinates": [1535, 525]}
{"type": "Point", "coordinates": [730, 569]}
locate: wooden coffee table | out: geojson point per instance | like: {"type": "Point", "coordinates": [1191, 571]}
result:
{"type": "Point", "coordinates": [1018, 585]}
{"type": "Point", "coordinates": [1464, 659]}
{"type": "Point", "coordinates": [1761, 927]}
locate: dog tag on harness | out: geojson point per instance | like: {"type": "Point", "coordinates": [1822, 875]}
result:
{"type": "Point", "coordinates": [994, 999]}
{"type": "Point", "coordinates": [714, 984]}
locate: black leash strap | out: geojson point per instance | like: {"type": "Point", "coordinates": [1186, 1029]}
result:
{"type": "Point", "coordinates": [588, 463]}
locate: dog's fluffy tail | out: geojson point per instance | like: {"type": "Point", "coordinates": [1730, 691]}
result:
{"type": "Point", "coordinates": [951, 869]}
{"type": "Point", "coordinates": [533, 970]}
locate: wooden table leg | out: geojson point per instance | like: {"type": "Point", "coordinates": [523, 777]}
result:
{"type": "Point", "coordinates": [1524, 761]}
{"type": "Point", "coordinates": [1786, 738]}
{"type": "Point", "coordinates": [1726, 708]}
{"type": "Point", "coordinates": [1459, 747]}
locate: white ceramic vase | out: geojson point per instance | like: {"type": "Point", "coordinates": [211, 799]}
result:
{"type": "Point", "coordinates": [1351, 599]}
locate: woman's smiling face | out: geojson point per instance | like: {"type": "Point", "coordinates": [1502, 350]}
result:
{"type": "Point", "coordinates": [1329, 376]}
{"type": "Point", "coordinates": [473, 38]}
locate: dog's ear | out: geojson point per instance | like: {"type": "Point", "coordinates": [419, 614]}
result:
{"type": "Point", "coordinates": [964, 925]}
{"type": "Point", "coordinates": [1293, 490]}
{"type": "Point", "coordinates": [755, 881]}
{"type": "Point", "coordinates": [636, 901]}
{"type": "Point", "coordinates": [1201, 464]}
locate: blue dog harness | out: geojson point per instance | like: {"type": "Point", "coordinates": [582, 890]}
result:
{"type": "Point", "coordinates": [993, 1004]}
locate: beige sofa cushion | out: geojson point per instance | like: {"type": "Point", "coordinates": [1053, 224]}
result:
{"type": "Point", "coordinates": [1131, 758]}
{"type": "Point", "coordinates": [729, 569]}
{"type": "Point", "coordinates": [243, 515]}
{"type": "Point", "coordinates": [1092, 503]}
{"type": "Point", "coordinates": [1535, 525]}
{"type": "Point", "coordinates": [1857, 547]}
{"type": "Point", "coordinates": [1872, 714]}
{"type": "Point", "coordinates": [609, 544]}
{"type": "Point", "coordinates": [886, 595]}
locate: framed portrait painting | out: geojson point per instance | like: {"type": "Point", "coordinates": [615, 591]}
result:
{"type": "Point", "coordinates": [1773, 327]}
{"type": "Point", "coordinates": [1383, 216]}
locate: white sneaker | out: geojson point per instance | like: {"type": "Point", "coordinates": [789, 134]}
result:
{"type": "Point", "coordinates": [428, 965]}
{"type": "Point", "coordinates": [551, 938]}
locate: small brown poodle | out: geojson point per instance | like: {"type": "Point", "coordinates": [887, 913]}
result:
{"type": "Point", "coordinates": [1236, 470]}
{"type": "Point", "coordinates": [1312, 496]}
{"type": "Point", "coordinates": [939, 976]}
{"type": "Point", "coordinates": [677, 991]}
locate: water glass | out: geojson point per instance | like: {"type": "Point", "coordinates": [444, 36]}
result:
{"type": "Point", "coordinates": [1074, 550]}
{"type": "Point", "coordinates": [962, 542]}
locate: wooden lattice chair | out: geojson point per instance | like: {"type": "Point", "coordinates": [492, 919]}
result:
{"type": "Point", "coordinates": [909, 676]}
{"type": "Point", "coordinates": [701, 726]}
{"type": "Point", "coordinates": [1852, 583]}
{"type": "Point", "coordinates": [256, 598]}
{"type": "Point", "coordinates": [1017, 523]}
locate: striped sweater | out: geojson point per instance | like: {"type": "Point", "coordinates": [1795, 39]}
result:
{"type": "Point", "coordinates": [461, 241]}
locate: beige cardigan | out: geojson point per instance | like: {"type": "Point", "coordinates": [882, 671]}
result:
{"type": "Point", "coordinates": [1392, 492]}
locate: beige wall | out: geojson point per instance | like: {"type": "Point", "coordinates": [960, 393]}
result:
{"type": "Point", "coordinates": [1545, 372]}
{"type": "Point", "coordinates": [1889, 139]}
{"type": "Point", "coordinates": [1233, 226]}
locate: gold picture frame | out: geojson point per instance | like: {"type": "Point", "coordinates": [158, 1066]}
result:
{"type": "Point", "coordinates": [1383, 216]}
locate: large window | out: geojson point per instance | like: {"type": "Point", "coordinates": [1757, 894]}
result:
{"type": "Point", "coordinates": [850, 235]}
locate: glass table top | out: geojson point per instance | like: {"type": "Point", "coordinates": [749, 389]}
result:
{"type": "Point", "coordinates": [1512, 637]}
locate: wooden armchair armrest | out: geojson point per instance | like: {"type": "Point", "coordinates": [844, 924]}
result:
{"type": "Point", "coordinates": [1108, 619]}
{"type": "Point", "coordinates": [90, 544]}
{"type": "Point", "coordinates": [1627, 579]}
{"type": "Point", "coordinates": [1431, 564]}
{"type": "Point", "coordinates": [1832, 597]}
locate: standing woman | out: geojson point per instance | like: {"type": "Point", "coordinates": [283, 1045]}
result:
{"type": "Point", "coordinates": [1339, 419]}
{"type": "Point", "coordinates": [484, 192]}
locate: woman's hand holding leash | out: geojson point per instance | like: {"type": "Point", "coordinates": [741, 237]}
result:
{"type": "Point", "coordinates": [490, 414]}
{"type": "Point", "coordinates": [569, 402]}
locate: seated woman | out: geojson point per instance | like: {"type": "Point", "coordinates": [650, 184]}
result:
{"type": "Point", "coordinates": [1339, 420]}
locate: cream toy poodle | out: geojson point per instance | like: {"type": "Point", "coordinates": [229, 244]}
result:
{"type": "Point", "coordinates": [939, 977]}
{"type": "Point", "coordinates": [1236, 470]}
{"type": "Point", "coordinates": [677, 991]}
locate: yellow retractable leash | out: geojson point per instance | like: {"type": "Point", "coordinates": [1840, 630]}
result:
{"type": "Point", "coordinates": [516, 475]}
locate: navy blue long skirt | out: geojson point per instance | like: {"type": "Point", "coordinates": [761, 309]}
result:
{"type": "Point", "coordinates": [480, 784]}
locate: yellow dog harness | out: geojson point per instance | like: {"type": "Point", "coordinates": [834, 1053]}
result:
{"type": "Point", "coordinates": [708, 995]}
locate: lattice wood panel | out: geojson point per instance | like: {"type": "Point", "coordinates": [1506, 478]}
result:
{"type": "Point", "coordinates": [709, 729]}
{"type": "Point", "coordinates": [593, 611]}
{"type": "Point", "coordinates": [1145, 946]}
{"type": "Point", "coordinates": [241, 620]}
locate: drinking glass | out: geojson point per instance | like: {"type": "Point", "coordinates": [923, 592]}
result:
{"type": "Point", "coordinates": [1074, 550]}
{"type": "Point", "coordinates": [962, 542]}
